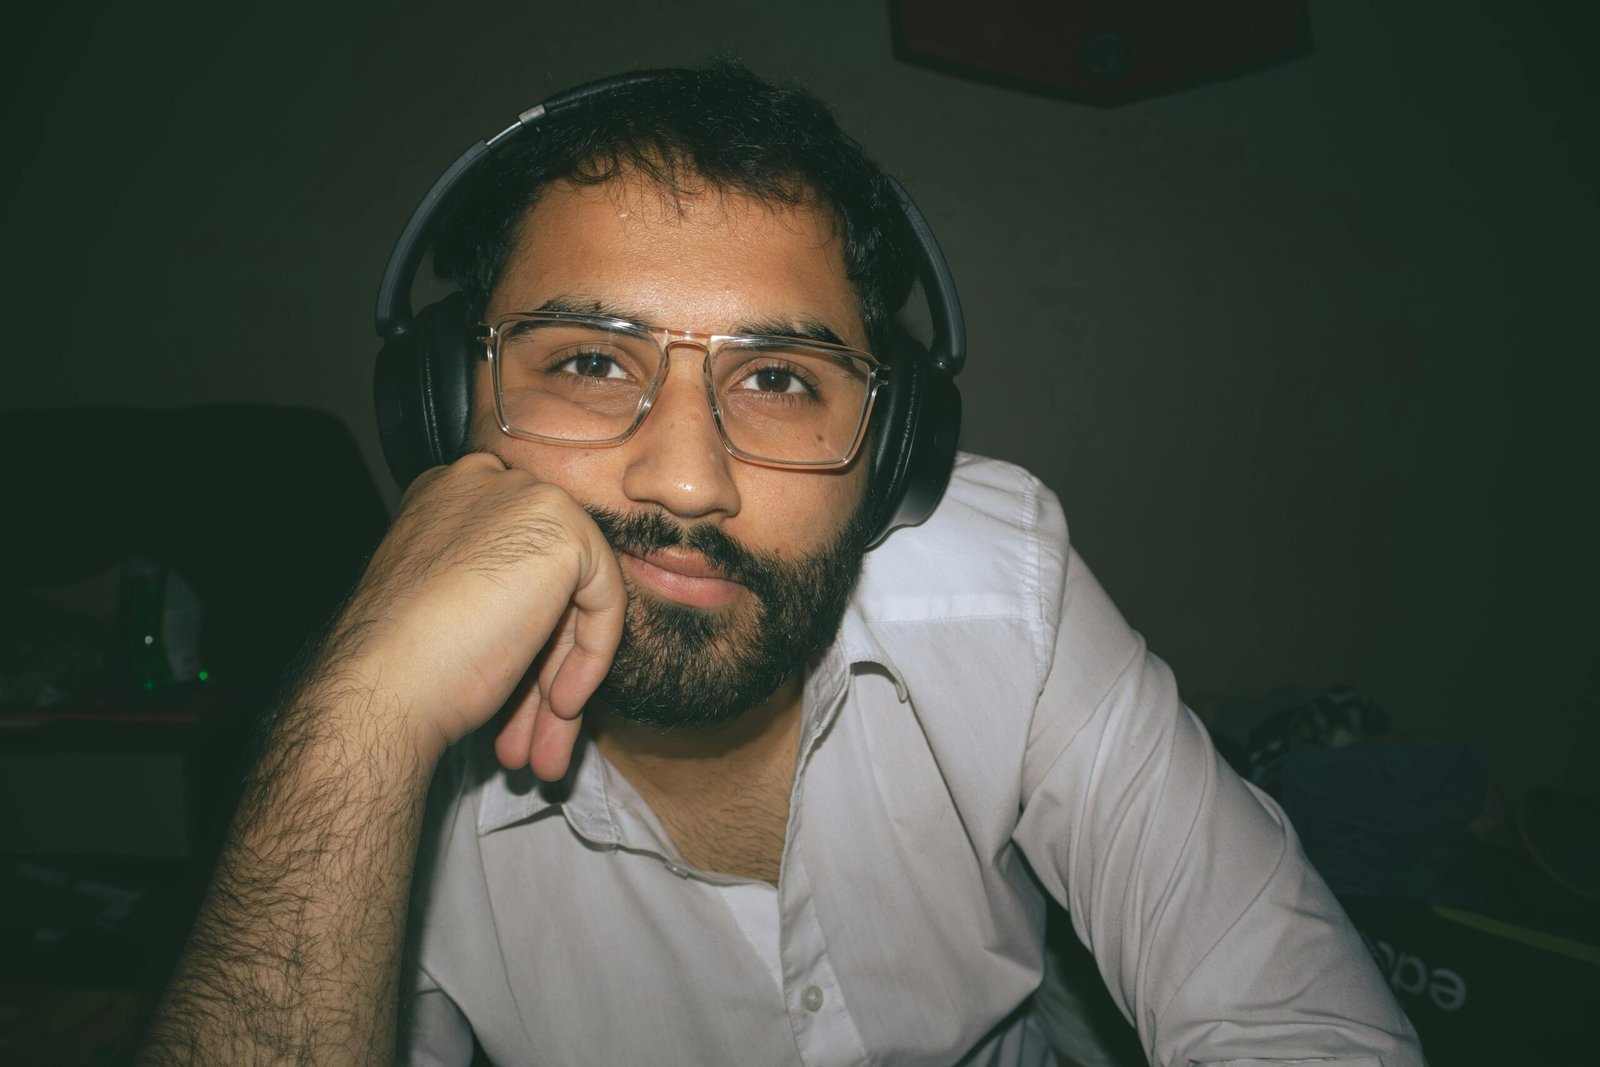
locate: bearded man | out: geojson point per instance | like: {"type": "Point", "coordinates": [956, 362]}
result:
{"type": "Point", "coordinates": [712, 782]}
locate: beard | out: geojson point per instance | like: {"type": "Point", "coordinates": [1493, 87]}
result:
{"type": "Point", "coordinates": [684, 667]}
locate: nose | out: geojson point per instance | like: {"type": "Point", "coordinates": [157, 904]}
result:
{"type": "Point", "coordinates": [675, 459]}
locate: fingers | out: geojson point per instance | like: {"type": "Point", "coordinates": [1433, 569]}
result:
{"type": "Point", "coordinates": [581, 655]}
{"type": "Point", "coordinates": [550, 753]}
{"type": "Point", "coordinates": [490, 570]}
{"type": "Point", "coordinates": [513, 745]}
{"type": "Point", "coordinates": [534, 736]}
{"type": "Point", "coordinates": [581, 649]}
{"type": "Point", "coordinates": [544, 719]}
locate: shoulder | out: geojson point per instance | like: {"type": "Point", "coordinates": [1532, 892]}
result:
{"type": "Point", "coordinates": [993, 571]}
{"type": "Point", "coordinates": [996, 544]}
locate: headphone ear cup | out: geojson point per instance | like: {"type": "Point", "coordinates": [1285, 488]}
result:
{"type": "Point", "coordinates": [934, 436]}
{"type": "Point", "coordinates": [918, 421]}
{"type": "Point", "coordinates": [422, 388]}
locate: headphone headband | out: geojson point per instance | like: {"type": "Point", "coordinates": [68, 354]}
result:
{"type": "Point", "coordinates": [948, 350]}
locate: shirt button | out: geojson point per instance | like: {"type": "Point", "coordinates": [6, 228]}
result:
{"type": "Point", "coordinates": [811, 999]}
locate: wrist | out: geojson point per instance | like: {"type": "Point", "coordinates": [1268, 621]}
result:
{"type": "Point", "coordinates": [355, 712]}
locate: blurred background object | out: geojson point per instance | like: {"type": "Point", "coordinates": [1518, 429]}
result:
{"type": "Point", "coordinates": [160, 571]}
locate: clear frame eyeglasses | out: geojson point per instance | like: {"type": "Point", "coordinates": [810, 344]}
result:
{"type": "Point", "coordinates": [589, 381]}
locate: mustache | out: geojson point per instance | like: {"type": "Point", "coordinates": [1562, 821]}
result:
{"type": "Point", "coordinates": [644, 532]}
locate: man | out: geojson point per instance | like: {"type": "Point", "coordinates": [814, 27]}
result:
{"type": "Point", "coordinates": [754, 795]}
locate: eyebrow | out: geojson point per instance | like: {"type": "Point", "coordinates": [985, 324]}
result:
{"type": "Point", "coordinates": [799, 329]}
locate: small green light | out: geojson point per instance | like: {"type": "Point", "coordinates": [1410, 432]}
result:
{"type": "Point", "coordinates": [148, 685]}
{"type": "Point", "coordinates": [205, 676]}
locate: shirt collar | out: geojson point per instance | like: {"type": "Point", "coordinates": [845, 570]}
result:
{"type": "Point", "coordinates": [854, 646]}
{"type": "Point", "coordinates": [587, 795]}
{"type": "Point", "coordinates": [508, 797]}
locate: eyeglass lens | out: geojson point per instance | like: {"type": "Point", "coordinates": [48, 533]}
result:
{"type": "Point", "coordinates": [776, 399]}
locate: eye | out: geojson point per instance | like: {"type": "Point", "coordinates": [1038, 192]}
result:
{"type": "Point", "coordinates": [776, 378]}
{"type": "Point", "coordinates": [589, 364]}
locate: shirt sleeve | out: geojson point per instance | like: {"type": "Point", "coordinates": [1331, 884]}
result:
{"type": "Point", "coordinates": [1212, 932]}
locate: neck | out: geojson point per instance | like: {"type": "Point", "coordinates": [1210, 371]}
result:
{"type": "Point", "coordinates": [758, 742]}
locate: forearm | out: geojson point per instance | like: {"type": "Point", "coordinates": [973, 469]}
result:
{"type": "Point", "coordinates": [295, 951]}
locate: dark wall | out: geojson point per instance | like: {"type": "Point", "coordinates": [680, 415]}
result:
{"type": "Point", "coordinates": [1309, 355]}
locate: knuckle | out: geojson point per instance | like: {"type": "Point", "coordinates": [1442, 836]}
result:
{"type": "Point", "coordinates": [419, 485]}
{"type": "Point", "coordinates": [479, 513]}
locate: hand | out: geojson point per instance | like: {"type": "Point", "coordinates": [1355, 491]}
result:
{"type": "Point", "coordinates": [485, 573]}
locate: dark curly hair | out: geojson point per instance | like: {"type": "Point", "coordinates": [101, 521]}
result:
{"type": "Point", "coordinates": [717, 126]}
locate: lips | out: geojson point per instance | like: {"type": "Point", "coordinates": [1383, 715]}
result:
{"type": "Point", "coordinates": [682, 576]}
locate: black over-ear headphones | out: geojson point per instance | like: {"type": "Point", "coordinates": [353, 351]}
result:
{"type": "Point", "coordinates": [423, 378]}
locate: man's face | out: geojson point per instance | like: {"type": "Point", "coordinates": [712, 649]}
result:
{"type": "Point", "coordinates": [737, 573]}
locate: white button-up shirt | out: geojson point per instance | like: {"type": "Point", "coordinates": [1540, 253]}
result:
{"type": "Point", "coordinates": [985, 733]}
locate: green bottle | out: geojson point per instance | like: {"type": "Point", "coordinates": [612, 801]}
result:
{"type": "Point", "coordinates": [160, 625]}
{"type": "Point", "coordinates": [141, 605]}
